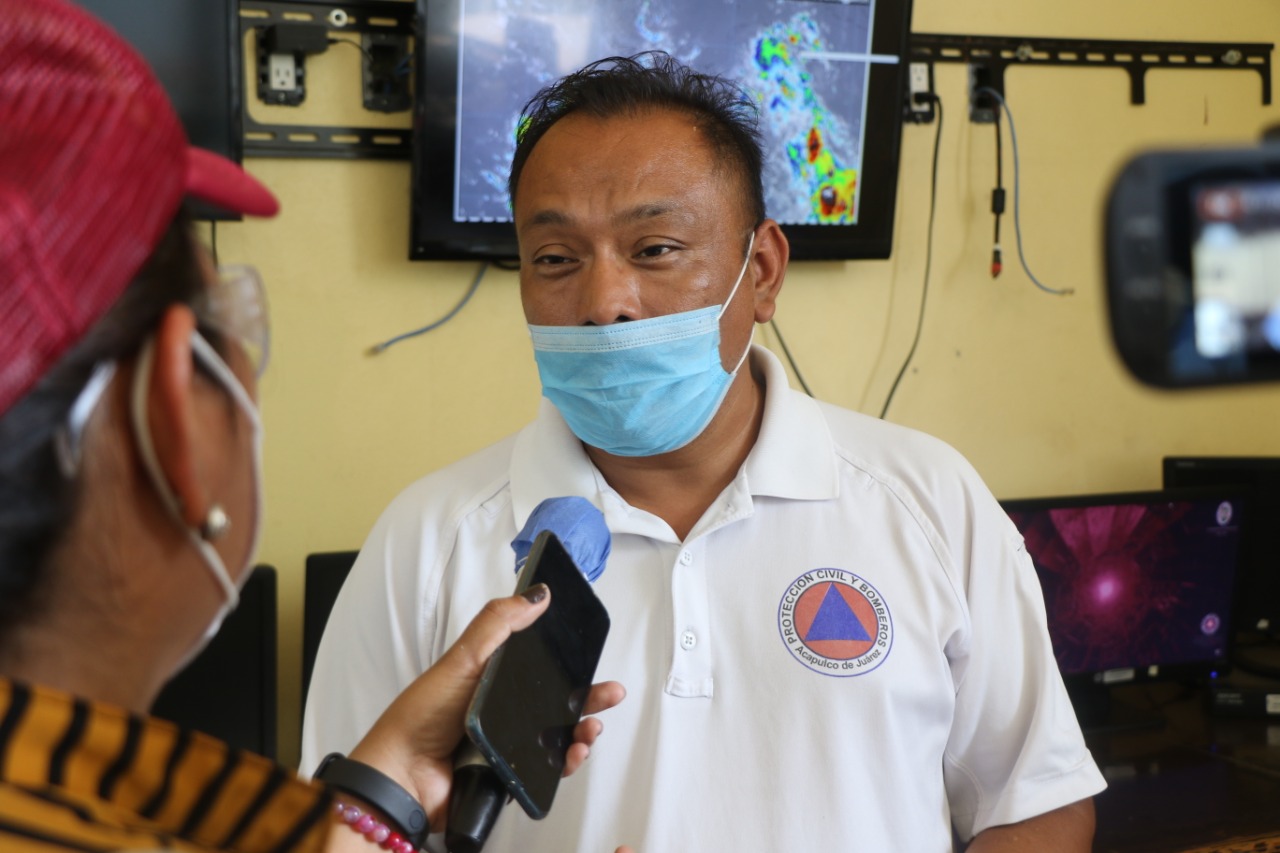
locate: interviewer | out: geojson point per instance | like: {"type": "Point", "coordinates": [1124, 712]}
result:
{"type": "Point", "coordinates": [130, 486]}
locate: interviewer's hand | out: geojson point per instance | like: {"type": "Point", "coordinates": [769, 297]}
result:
{"type": "Point", "coordinates": [414, 740]}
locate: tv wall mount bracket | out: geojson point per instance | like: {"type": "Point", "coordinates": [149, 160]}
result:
{"type": "Point", "coordinates": [989, 57]}
{"type": "Point", "coordinates": [365, 17]}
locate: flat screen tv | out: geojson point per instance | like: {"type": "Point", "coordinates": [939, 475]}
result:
{"type": "Point", "coordinates": [827, 77]}
{"type": "Point", "coordinates": [191, 45]}
{"type": "Point", "coordinates": [1138, 586]}
{"type": "Point", "coordinates": [1259, 599]}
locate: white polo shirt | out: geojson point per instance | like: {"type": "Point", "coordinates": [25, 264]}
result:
{"type": "Point", "coordinates": [848, 652]}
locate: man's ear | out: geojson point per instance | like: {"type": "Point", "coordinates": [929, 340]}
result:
{"type": "Point", "coordinates": [769, 261]}
{"type": "Point", "coordinates": [171, 411]}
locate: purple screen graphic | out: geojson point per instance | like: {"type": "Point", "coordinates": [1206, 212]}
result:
{"type": "Point", "coordinates": [1134, 584]}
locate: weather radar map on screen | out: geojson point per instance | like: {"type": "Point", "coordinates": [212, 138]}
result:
{"type": "Point", "coordinates": [826, 77]}
{"type": "Point", "coordinates": [805, 64]}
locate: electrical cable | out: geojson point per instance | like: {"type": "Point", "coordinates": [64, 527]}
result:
{"type": "Point", "coordinates": [928, 258]}
{"type": "Point", "coordinates": [1017, 204]}
{"type": "Point", "coordinates": [213, 240]}
{"type": "Point", "coordinates": [787, 352]}
{"type": "Point", "coordinates": [466, 297]}
{"type": "Point", "coordinates": [997, 203]}
{"type": "Point", "coordinates": [1267, 668]}
{"type": "Point", "coordinates": [357, 45]}
{"type": "Point", "coordinates": [1254, 667]}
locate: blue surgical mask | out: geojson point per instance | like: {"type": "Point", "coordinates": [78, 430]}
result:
{"type": "Point", "coordinates": [638, 388]}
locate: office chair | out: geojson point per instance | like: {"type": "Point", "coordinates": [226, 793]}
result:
{"type": "Point", "coordinates": [229, 689]}
{"type": "Point", "coordinates": [325, 573]}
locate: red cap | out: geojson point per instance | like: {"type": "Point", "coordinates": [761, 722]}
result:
{"type": "Point", "coordinates": [94, 165]}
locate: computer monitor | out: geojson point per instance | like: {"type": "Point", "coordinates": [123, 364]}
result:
{"type": "Point", "coordinates": [192, 46]}
{"type": "Point", "coordinates": [827, 76]}
{"type": "Point", "coordinates": [229, 689]}
{"type": "Point", "coordinates": [1259, 598]}
{"type": "Point", "coordinates": [1138, 586]}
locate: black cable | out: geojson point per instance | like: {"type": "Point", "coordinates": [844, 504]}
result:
{"type": "Point", "coordinates": [1017, 196]}
{"type": "Point", "coordinates": [466, 297]}
{"type": "Point", "coordinates": [357, 45]}
{"type": "Point", "coordinates": [997, 202]}
{"type": "Point", "coordinates": [213, 240]}
{"type": "Point", "coordinates": [928, 257]}
{"type": "Point", "coordinates": [1254, 667]}
{"type": "Point", "coordinates": [999, 154]}
{"type": "Point", "coordinates": [1269, 643]}
{"type": "Point", "coordinates": [787, 352]}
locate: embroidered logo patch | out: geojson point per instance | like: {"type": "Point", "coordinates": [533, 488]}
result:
{"type": "Point", "coordinates": [836, 623]}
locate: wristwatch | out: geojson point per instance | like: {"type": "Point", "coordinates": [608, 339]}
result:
{"type": "Point", "coordinates": [378, 790]}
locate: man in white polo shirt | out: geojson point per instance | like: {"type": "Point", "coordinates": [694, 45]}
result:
{"type": "Point", "coordinates": [831, 635]}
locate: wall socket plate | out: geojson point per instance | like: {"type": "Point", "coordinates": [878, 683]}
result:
{"type": "Point", "coordinates": [919, 109]}
{"type": "Point", "coordinates": [281, 76]}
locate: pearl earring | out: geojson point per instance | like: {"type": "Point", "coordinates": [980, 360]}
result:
{"type": "Point", "coordinates": [215, 524]}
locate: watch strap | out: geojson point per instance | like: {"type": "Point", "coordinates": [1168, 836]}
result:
{"type": "Point", "coordinates": [378, 790]}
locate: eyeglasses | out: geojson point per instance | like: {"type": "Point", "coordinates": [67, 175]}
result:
{"type": "Point", "coordinates": [236, 306]}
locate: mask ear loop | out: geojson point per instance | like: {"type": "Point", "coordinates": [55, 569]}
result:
{"type": "Point", "coordinates": [146, 450]}
{"type": "Point", "coordinates": [68, 441]}
{"type": "Point", "coordinates": [725, 307]}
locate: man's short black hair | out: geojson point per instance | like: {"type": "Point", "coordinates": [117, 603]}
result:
{"type": "Point", "coordinates": [626, 85]}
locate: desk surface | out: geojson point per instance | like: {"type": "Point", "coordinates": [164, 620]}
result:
{"type": "Point", "coordinates": [1199, 782]}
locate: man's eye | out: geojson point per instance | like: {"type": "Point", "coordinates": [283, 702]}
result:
{"type": "Point", "coordinates": [552, 260]}
{"type": "Point", "coordinates": [655, 251]}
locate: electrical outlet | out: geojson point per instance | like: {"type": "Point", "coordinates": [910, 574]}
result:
{"type": "Point", "coordinates": [918, 78]}
{"type": "Point", "coordinates": [919, 107]}
{"type": "Point", "coordinates": [282, 72]}
{"type": "Point", "coordinates": [282, 79]}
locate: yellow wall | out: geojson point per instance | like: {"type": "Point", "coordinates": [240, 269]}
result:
{"type": "Point", "coordinates": [1024, 384]}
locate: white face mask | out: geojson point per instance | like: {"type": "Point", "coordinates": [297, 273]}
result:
{"type": "Point", "coordinates": [146, 448]}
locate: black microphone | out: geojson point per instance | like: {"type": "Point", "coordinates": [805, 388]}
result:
{"type": "Point", "coordinates": [475, 800]}
{"type": "Point", "coordinates": [477, 795]}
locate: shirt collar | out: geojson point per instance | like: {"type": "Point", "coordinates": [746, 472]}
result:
{"type": "Point", "coordinates": [794, 454]}
{"type": "Point", "coordinates": [792, 457]}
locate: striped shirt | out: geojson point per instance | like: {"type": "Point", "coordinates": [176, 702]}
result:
{"type": "Point", "coordinates": [81, 776]}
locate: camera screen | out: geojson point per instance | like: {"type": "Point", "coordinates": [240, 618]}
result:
{"type": "Point", "coordinates": [1235, 259]}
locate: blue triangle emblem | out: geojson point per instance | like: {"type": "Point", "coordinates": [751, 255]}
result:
{"type": "Point", "coordinates": [835, 620]}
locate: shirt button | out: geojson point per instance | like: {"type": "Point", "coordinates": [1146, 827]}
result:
{"type": "Point", "coordinates": [688, 640]}
{"type": "Point", "coordinates": [685, 558]}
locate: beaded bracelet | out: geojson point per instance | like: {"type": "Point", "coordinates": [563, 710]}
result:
{"type": "Point", "coordinates": [370, 785]}
{"type": "Point", "coordinates": [377, 832]}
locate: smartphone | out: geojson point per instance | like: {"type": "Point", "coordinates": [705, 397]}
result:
{"type": "Point", "coordinates": [534, 687]}
{"type": "Point", "coordinates": [1193, 266]}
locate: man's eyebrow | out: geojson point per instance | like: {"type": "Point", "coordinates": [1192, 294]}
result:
{"type": "Point", "coordinates": [647, 210]}
{"type": "Point", "coordinates": [638, 213]}
{"type": "Point", "coordinates": [549, 216]}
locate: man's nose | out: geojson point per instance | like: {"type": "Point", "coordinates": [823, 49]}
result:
{"type": "Point", "coordinates": [610, 293]}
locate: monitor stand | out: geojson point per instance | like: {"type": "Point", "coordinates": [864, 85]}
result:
{"type": "Point", "coordinates": [1099, 713]}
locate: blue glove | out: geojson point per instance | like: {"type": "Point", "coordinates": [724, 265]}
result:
{"type": "Point", "coordinates": [577, 524]}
